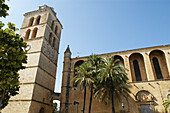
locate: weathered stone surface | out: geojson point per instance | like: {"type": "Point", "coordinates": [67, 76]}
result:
{"type": "Point", "coordinates": [45, 79]}
{"type": "Point", "coordinates": [28, 75]}
{"type": "Point", "coordinates": [17, 107]}
{"type": "Point", "coordinates": [25, 92]}
{"type": "Point", "coordinates": [42, 94]}
{"type": "Point", "coordinates": [33, 59]}
{"type": "Point", "coordinates": [47, 65]}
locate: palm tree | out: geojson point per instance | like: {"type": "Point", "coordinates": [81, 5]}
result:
{"type": "Point", "coordinates": [95, 62]}
{"type": "Point", "coordinates": [112, 80]}
{"type": "Point", "coordinates": [167, 102]}
{"type": "Point", "coordinates": [84, 78]}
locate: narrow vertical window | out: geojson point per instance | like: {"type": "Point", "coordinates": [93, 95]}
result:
{"type": "Point", "coordinates": [31, 21]}
{"type": "Point", "coordinates": [56, 29]}
{"type": "Point", "coordinates": [27, 34]}
{"type": "Point", "coordinates": [38, 20]}
{"type": "Point", "coordinates": [54, 42]}
{"type": "Point", "coordinates": [52, 25]}
{"type": "Point", "coordinates": [34, 33]}
{"type": "Point", "coordinates": [157, 68]}
{"type": "Point", "coordinates": [137, 70]}
{"type": "Point", "coordinates": [50, 38]}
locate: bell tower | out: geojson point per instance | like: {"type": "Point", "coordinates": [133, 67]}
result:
{"type": "Point", "coordinates": [41, 29]}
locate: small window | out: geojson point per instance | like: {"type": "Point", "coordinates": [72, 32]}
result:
{"type": "Point", "coordinates": [56, 30]}
{"type": "Point", "coordinates": [31, 21]}
{"type": "Point", "coordinates": [157, 68]}
{"type": "Point", "coordinates": [52, 25]}
{"type": "Point", "coordinates": [42, 110]}
{"type": "Point", "coordinates": [27, 34]}
{"type": "Point", "coordinates": [38, 20]}
{"type": "Point", "coordinates": [54, 42]}
{"type": "Point", "coordinates": [137, 70]}
{"type": "Point", "coordinates": [34, 33]}
{"type": "Point", "coordinates": [50, 38]}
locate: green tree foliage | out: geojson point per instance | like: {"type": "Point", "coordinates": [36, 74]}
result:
{"type": "Point", "coordinates": [3, 8]}
{"type": "Point", "coordinates": [106, 77]}
{"type": "Point", "coordinates": [55, 110]}
{"type": "Point", "coordinates": [84, 78]}
{"type": "Point", "coordinates": [12, 57]}
{"type": "Point", "coordinates": [95, 62]}
{"type": "Point", "coordinates": [112, 81]}
{"type": "Point", "coordinates": [167, 102]}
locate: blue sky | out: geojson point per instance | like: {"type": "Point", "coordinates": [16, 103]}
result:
{"type": "Point", "coordinates": [102, 26]}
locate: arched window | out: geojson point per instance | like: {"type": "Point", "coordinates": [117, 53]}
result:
{"type": "Point", "coordinates": [42, 110]}
{"type": "Point", "coordinates": [159, 64]}
{"type": "Point", "coordinates": [53, 41]}
{"type": "Point", "coordinates": [137, 67]}
{"type": "Point", "coordinates": [31, 21]}
{"type": "Point", "coordinates": [157, 68]}
{"type": "Point", "coordinates": [52, 25]}
{"type": "Point", "coordinates": [120, 59]}
{"type": "Point", "coordinates": [77, 64]}
{"type": "Point", "coordinates": [27, 34]}
{"type": "Point", "coordinates": [56, 30]}
{"type": "Point", "coordinates": [38, 20]}
{"type": "Point", "coordinates": [34, 33]}
{"type": "Point", "coordinates": [137, 70]}
{"type": "Point", "coordinates": [50, 38]}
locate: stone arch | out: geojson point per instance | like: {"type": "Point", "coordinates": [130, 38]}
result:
{"type": "Point", "coordinates": [34, 33]}
{"type": "Point", "coordinates": [146, 101]}
{"type": "Point", "coordinates": [120, 58]}
{"type": "Point", "coordinates": [38, 20]}
{"type": "Point", "coordinates": [144, 95]}
{"type": "Point", "coordinates": [42, 110]}
{"type": "Point", "coordinates": [159, 65]}
{"type": "Point", "coordinates": [78, 63]}
{"type": "Point", "coordinates": [31, 21]}
{"type": "Point", "coordinates": [27, 34]}
{"type": "Point", "coordinates": [137, 67]}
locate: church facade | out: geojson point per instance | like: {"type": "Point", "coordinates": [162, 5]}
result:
{"type": "Point", "coordinates": [149, 76]}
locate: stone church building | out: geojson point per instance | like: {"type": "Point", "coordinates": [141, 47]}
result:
{"type": "Point", "coordinates": [149, 76]}
{"type": "Point", "coordinates": [149, 73]}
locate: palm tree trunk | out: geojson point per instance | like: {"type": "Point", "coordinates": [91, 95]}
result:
{"type": "Point", "coordinates": [112, 97]}
{"type": "Point", "coordinates": [84, 97]}
{"type": "Point", "coordinates": [91, 98]}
